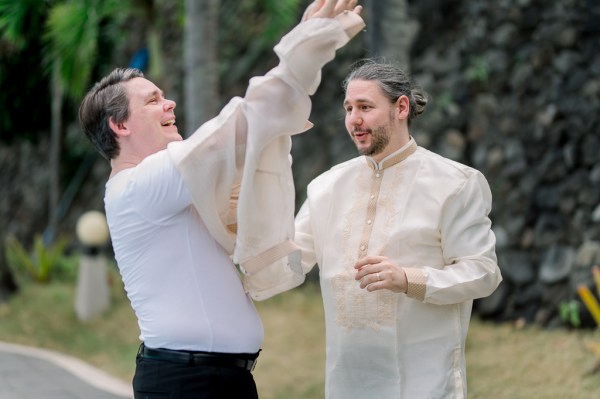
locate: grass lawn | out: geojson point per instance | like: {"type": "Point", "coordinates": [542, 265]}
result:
{"type": "Point", "coordinates": [503, 362]}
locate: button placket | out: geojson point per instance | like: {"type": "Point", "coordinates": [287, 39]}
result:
{"type": "Point", "coordinates": [371, 212]}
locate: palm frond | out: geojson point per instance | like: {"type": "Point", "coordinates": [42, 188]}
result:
{"type": "Point", "coordinates": [18, 18]}
{"type": "Point", "coordinates": [71, 40]}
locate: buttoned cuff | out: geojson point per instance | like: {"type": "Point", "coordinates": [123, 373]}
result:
{"type": "Point", "coordinates": [416, 283]}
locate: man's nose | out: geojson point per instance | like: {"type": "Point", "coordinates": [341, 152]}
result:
{"type": "Point", "coordinates": [169, 104]}
{"type": "Point", "coordinates": [355, 119]}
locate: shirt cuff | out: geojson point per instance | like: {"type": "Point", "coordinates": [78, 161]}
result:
{"type": "Point", "coordinates": [351, 22]}
{"type": "Point", "coordinates": [416, 283]}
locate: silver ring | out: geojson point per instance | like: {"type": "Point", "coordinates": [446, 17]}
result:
{"type": "Point", "coordinates": [378, 277]}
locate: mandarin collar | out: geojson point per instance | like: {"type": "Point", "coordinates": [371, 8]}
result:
{"type": "Point", "coordinates": [395, 157]}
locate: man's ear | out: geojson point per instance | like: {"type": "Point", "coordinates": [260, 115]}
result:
{"type": "Point", "coordinates": [402, 107]}
{"type": "Point", "coordinates": [119, 128]}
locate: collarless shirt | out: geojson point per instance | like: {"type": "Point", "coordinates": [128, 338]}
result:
{"type": "Point", "coordinates": [183, 287]}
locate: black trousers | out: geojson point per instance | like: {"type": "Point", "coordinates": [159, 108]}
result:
{"type": "Point", "coordinates": [160, 379]}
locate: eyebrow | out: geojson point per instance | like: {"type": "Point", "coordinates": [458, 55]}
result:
{"type": "Point", "coordinates": [153, 93]}
{"type": "Point", "coordinates": [359, 101]}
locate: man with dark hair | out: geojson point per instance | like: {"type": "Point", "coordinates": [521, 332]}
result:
{"type": "Point", "coordinates": [182, 212]}
{"type": "Point", "coordinates": [404, 244]}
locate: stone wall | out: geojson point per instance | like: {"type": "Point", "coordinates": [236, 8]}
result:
{"type": "Point", "coordinates": [515, 89]}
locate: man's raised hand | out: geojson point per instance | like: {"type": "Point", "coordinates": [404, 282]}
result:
{"type": "Point", "coordinates": [330, 8]}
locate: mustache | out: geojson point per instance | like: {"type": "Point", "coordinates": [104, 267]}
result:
{"type": "Point", "coordinates": [357, 130]}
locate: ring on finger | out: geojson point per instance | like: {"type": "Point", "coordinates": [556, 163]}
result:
{"type": "Point", "coordinates": [378, 277]}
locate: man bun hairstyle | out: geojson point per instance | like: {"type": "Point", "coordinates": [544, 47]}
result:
{"type": "Point", "coordinates": [393, 82]}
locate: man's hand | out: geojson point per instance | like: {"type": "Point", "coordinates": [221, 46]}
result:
{"type": "Point", "coordinates": [330, 8]}
{"type": "Point", "coordinates": [378, 272]}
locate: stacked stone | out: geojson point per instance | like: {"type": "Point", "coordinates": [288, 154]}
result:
{"type": "Point", "coordinates": [515, 89]}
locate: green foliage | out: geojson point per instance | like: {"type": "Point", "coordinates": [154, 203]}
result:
{"type": "Point", "coordinates": [24, 96]}
{"type": "Point", "coordinates": [281, 15]}
{"type": "Point", "coordinates": [250, 28]}
{"type": "Point", "coordinates": [70, 31]}
{"type": "Point", "coordinates": [66, 268]}
{"type": "Point", "coordinates": [20, 19]}
{"type": "Point", "coordinates": [478, 71]}
{"type": "Point", "coordinates": [445, 100]}
{"type": "Point", "coordinates": [71, 37]}
{"type": "Point", "coordinates": [39, 264]}
{"type": "Point", "coordinates": [569, 313]}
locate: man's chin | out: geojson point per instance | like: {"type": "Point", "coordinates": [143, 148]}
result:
{"type": "Point", "coordinates": [176, 137]}
{"type": "Point", "coordinates": [365, 151]}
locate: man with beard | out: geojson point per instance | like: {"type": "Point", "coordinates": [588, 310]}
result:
{"type": "Point", "coordinates": [404, 245]}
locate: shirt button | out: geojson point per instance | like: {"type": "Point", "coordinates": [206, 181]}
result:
{"type": "Point", "coordinates": [369, 221]}
{"type": "Point", "coordinates": [372, 196]}
{"type": "Point", "coordinates": [377, 174]}
{"type": "Point", "coordinates": [362, 247]}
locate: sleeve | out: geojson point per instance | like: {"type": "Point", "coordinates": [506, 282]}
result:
{"type": "Point", "coordinates": [248, 144]}
{"type": "Point", "coordinates": [304, 238]}
{"type": "Point", "coordinates": [267, 196]}
{"type": "Point", "coordinates": [159, 189]}
{"type": "Point", "coordinates": [468, 246]}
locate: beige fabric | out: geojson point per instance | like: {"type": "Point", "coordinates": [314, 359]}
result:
{"type": "Point", "coordinates": [251, 137]}
{"type": "Point", "coordinates": [427, 214]}
{"type": "Point", "coordinates": [417, 283]}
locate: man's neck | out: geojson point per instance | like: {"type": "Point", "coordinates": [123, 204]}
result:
{"type": "Point", "coordinates": [118, 165]}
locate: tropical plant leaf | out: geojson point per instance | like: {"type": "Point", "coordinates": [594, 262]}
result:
{"type": "Point", "coordinates": [18, 258]}
{"type": "Point", "coordinates": [71, 37]}
{"type": "Point", "coordinates": [42, 260]}
{"type": "Point", "coordinates": [17, 19]}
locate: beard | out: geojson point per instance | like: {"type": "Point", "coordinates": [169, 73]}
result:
{"type": "Point", "coordinates": [380, 138]}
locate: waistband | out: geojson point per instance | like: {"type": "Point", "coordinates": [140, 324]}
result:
{"type": "Point", "coordinates": [245, 361]}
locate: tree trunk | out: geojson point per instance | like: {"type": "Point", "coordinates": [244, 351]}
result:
{"type": "Point", "coordinates": [54, 157]}
{"type": "Point", "coordinates": [8, 285]}
{"type": "Point", "coordinates": [390, 32]}
{"type": "Point", "coordinates": [200, 62]}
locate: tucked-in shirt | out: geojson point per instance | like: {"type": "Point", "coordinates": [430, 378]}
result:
{"type": "Point", "coordinates": [427, 214]}
{"type": "Point", "coordinates": [172, 217]}
{"type": "Point", "coordinates": [183, 287]}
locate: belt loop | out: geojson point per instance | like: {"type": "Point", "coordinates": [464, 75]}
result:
{"type": "Point", "coordinates": [191, 358]}
{"type": "Point", "coordinates": [140, 350]}
{"type": "Point", "coordinates": [255, 360]}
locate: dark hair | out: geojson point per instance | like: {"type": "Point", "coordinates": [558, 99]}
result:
{"type": "Point", "coordinates": [392, 81]}
{"type": "Point", "coordinates": [107, 99]}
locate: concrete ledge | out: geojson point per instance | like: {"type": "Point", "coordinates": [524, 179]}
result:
{"type": "Point", "coordinates": [80, 369]}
